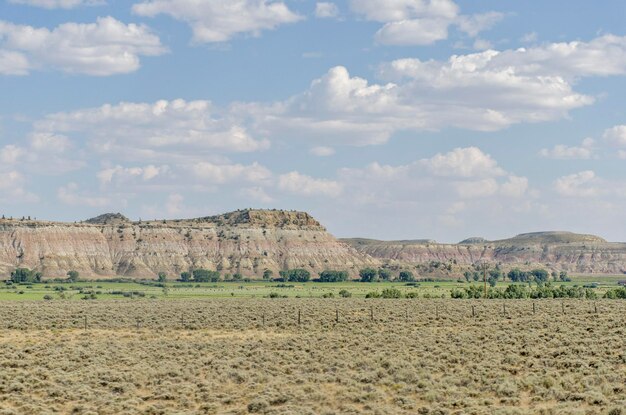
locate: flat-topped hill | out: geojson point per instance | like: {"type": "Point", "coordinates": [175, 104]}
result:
{"type": "Point", "coordinates": [247, 242]}
{"type": "Point", "coordinates": [557, 250]}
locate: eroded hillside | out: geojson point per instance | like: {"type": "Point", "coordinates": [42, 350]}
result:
{"type": "Point", "coordinates": [245, 241]}
{"type": "Point", "coordinates": [555, 250]}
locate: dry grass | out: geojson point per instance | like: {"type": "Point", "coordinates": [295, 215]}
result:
{"type": "Point", "coordinates": [220, 358]}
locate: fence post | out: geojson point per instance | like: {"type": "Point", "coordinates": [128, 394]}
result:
{"type": "Point", "coordinates": [371, 313]}
{"type": "Point", "coordinates": [298, 317]}
{"type": "Point", "coordinates": [85, 322]}
{"type": "Point", "coordinates": [336, 315]}
{"type": "Point", "coordinates": [504, 309]}
{"type": "Point", "coordinates": [437, 312]}
{"type": "Point", "coordinates": [473, 311]}
{"type": "Point", "coordinates": [263, 318]}
{"type": "Point", "coordinates": [534, 310]}
{"type": "Point", "coordinates": [595, 307]}
{"type": "Point", "coordinates": [563, 307]}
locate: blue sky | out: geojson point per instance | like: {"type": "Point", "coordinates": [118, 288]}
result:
{"type": "Point", "coordinates": [390, 119]}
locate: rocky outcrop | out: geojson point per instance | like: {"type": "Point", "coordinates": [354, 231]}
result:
{"type": "Point", "coordinates": [553, 250]}
{"type": "Point", "coordinates": [246, 241]}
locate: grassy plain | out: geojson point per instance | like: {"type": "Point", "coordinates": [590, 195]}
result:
{"type": "Point", "coordinates": [238, 356]}
{"type": "Point", "coordinates": [256, 289]}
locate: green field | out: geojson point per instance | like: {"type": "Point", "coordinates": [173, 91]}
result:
{"type": "Point", "coordinates": [255, 289]}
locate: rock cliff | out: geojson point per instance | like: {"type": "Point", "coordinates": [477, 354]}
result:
{"type": "Point", "coordinates": [554, 250]}
{"type": "Point", "coordinates": [245, 241]}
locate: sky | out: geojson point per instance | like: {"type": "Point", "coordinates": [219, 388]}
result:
{"type": "Point", "coordinates": [388, 119]}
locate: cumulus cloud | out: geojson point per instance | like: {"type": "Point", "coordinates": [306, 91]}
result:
{"type": "Point", "coordinates": [616, 136]}
{"type": "Point", "coordinates": [322, 151]}
{"type": "Point", "coordinates": [420, 22]}
{"type": "Point", "coordinates": [221, 20]}
{"type": "Point", "coordinates": [154, 131]}
{"type": "Point", "coordinates": [121, 174]}
{"type": "Point", "coordinates": [562, 152]}
{"type": "Point", "coordinates": [223, 173]}
{"type": "Point", "coordinates": [257, 194]}
{"type": "Point", "coordinates": [12, 188]}
{"type": "Point", "coordinates": [466, 173]}
{"type": "Point", "coordinates": [59, 4]}
{"type": "Point", "coordinates": [43, 153]}
{"type": "Point", "coordinates": [70, 195]}
{"type": "Point", "coordinates": [300, 184]}
{"type": "Point", "coordinates": [326, 10]}
{"type": "Point", "coordinates": [106, 47]}
{"type": "Point", "coordinates": [463, 162]}
{"type": "Point", "coordinates": [583, 184]}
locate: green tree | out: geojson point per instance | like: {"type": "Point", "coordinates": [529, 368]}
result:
{"type": "Point", "coordinates": [25, 275]}
{"type": "Point", "coordinates": [406, 276]}
{"type": "Point", "coordinates": [204, 275]}
{"type": "Point", "coordinates": [72, 276]}
{"type": "Point", "coordinates": [268, 274]}
{"type": "Point", "coordinates": [384, 274]}
{"type": "Point", "coordinates": [333, 276]}
{"type": "Point", "coordinates": [185, 276]}
{"type": "Point", "coordinates": [296, 275]}
{"type": "Point", "coordinates": [517, 275]}
{"type": "Point", "coordinates": [162, 277]}
{"type": "Point", "coordinates": [368, 275]}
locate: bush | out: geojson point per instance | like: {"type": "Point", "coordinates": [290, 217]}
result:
{"type": "Point", "coordinates": [47, 297]}
{"type": "Point", "coordinates": [72, 276]}
{"type": "Point", "coordinates": [328, 295]}
{"type": "Point", "coordinates": [345, 293]}
{"type": "Point", "coordinates": [391, 293]}
{"type": "Point", "coordinates": [412, 294]}
{"type": "Point", "coordinates": [373, 294]}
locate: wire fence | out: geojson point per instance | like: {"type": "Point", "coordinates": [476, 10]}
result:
{"type": "Point", "coordinates": [246, 314]}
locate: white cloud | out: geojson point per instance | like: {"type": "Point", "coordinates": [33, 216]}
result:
{"type": "Point", "coordinates": [322, 151]}
{"type": "Point", "coordinates": [514, 187]}
{"type": "Point", "coordinates": [12, 188]}
{"type": "Point", "coordinates": [583, 184]}
{"type": "Point", "coordinates": [221, 20]}
{"type": "Point", "coordinates": [616, 135]}
{"type": "Point", "coordinates": [59, 4]}
{"type": "Point", "coordinates": [257, 194]}
{"type": "Point", "coordinates": [420, 22]}
{"type": "Point", "coordinates": [122, 175]}
{"type": "Point", "coordinates": [413, 32]}
{"type": "Point", "coordinates": [326, 10]}
{"type": "Point", "coordinates": [174, 204]}
{"type": "Point", "coordinates": [467, 91]}
{"type": "Point", "coordinates": [476, 23]}
{"type": "Point", "coordinates": [154, 131]}
{"type": "Point", "coordinates": [530, 37]}
{"type": "Point", "coordinates": [106, 47]}
{"type": "Point", "coordinates": [562, 152]}
{"type": "Point", "coordinates": [69, 194]}
{"type": "Point", "coordinates": [13, 63]}
{"type": "Point", "coordinates": [11, 154]}
{"type": "Point", "coordinates": [223, 173]}
{"type": "Point", "coordinates": [301, 184]}
{"type": "Point", "coordinates": [463, 162]}
{"type": "Point", "coordinates": [397, 10]}
{"type": "Point", "coordinates": [470, 189]}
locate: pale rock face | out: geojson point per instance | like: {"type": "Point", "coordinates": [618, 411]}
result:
{"type": "Point", "coordinates": [555, 250]}
{"type": "Point", "coordinates": [247, 242]}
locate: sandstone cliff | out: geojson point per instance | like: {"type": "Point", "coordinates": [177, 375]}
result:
{"type": "Point", "coordinates": [553, 250]}
{"type": "Point", "coordinates": [246, 241]}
